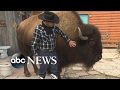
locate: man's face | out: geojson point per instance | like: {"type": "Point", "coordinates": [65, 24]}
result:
{"type": "Point", "coordinates": [49, 24]}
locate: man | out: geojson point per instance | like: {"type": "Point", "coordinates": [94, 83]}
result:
{"type": "Point", "coordinates": [44, 42]}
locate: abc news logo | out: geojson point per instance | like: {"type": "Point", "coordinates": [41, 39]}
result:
{"type": "Point", "coordinates": [18, 60]}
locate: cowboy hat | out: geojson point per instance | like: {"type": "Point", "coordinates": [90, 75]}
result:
{"type": "Point", "coordinates": [49, 16]}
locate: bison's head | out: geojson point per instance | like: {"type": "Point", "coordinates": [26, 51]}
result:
{"type": "Point", "coordinates": [89, 44]}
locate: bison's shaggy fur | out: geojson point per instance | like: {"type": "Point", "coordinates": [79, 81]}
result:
{"type": "Point", "coordinates": [87, 51]}
{"type": "Point", "coordinates": [84, 52]}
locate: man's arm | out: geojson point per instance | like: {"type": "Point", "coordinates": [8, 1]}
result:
{"type": "Point", "coordinates": [71, 43]}
{"type": "Point", "coordinates": [58, 31]}
{"type": "Point", "coordinates": [35, 41]}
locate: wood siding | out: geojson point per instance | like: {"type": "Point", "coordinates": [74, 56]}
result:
{"type": "Point", "coordinates": [106, 21]}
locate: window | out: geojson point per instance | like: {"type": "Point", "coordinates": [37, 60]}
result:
{"type": "Point", "coordinates": [84, 18]}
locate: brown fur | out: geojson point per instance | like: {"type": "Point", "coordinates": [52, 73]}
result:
{"type": "Point", "coordinates": [69, 22]}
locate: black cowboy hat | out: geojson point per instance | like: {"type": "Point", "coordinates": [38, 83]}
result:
{"type": "Point", "coordinates": [49, 16]}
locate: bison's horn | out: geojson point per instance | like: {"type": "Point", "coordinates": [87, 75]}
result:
{"type": "Point", "coordinates": [80, 35]}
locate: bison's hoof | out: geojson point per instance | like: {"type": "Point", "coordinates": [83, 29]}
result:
{"type": "Point", "coordinates": [59, 77]}
{"type": "Point", "coordinates": [27, 74]}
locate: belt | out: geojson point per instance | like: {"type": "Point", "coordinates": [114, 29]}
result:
{"type": "Point", "coordinates": [50, 50]}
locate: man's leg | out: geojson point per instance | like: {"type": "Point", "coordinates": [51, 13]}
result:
{"type": "Point", "coordinates": [42, 70]}
{"type": "Point", "coordinates": [54, 65]}
{"type": "Point", "coordinates": [43, 66]}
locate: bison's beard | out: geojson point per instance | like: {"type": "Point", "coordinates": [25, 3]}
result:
{"type": "Point", "coordinates": [84, 57]}
{"type": "Point", "coordinates": [88, 62]}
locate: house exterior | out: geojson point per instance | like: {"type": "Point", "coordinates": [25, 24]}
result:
{"type": "Point", "coordinates": [106, 21]}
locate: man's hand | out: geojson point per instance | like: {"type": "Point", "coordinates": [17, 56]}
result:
{"type": "Point", "coordinates": [72, 43]}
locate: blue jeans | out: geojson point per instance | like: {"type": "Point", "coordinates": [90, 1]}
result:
{"type": "Point", "coordinates": [44, 66]}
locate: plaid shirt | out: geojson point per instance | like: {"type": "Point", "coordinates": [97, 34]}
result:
{"type": "Point", "coordinates": [43, 41]}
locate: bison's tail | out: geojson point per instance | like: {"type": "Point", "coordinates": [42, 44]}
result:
{"type": "Point", "coordinates": [17, 26]}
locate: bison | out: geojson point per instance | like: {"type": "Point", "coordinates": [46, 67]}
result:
{"type": "Point", "coordinates": [88, 48]}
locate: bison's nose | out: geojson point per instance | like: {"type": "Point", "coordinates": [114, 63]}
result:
{"type": "Point", "coordinates": [98, 58]}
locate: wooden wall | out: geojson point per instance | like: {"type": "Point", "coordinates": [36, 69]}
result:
{"type": "Point", "coordinates": [7, 32]}
{"type": "Point", "coordinates": [3, 29]}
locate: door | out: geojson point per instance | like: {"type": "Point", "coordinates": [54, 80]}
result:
{"type": "Point", "coordinates": [84, 18]}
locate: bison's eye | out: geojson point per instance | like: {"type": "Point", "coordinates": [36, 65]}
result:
{"type": "Point", "coordinates": [91, 42]}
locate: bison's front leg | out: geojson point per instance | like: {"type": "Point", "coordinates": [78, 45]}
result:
{"type": "Point", "coordinates": [35, 68]}
{"type": "Point", "coordinates": [26, 71]}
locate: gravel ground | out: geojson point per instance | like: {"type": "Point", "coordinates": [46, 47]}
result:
{"type": "Point", "coordinates": [72, 75]}
{"type": "Point", "coordinates": [100, 76]}
{"type": "Point", "coordinates": [107, 69]}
